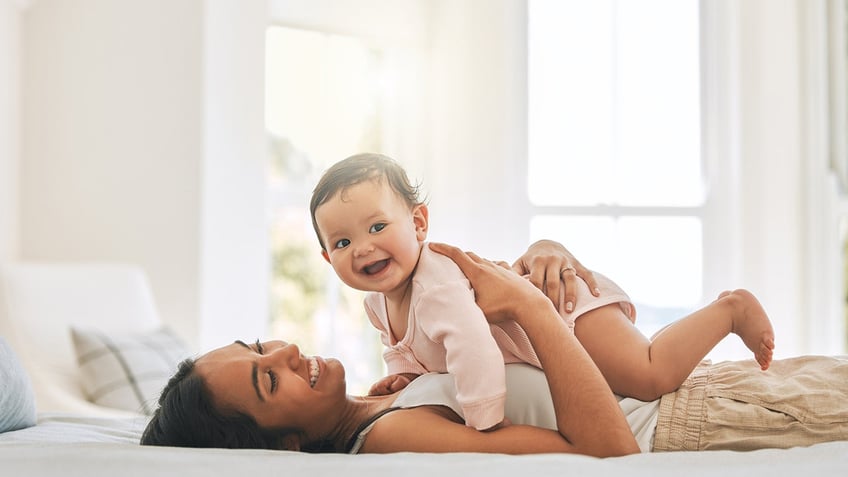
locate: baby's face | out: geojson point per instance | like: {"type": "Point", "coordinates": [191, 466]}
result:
{"type": "Point", "coordinates": [372, 237]}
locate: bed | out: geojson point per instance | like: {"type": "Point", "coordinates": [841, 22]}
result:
{"type": "Point", "coordinates": [72, 445]}
{"type": "Point", "coordinates": [78, 430]}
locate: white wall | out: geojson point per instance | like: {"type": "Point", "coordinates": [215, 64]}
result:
{"type": "Point", "coordinates": [139, 142]}
{"type": "Point", "coordinates": [772, 227]}
{"type": "Point", "coordinates": [10, 22]}
{"type": "Point", "coordinates": [772, 164]}
{"type": "Point", "coordinates": [136, 149]}
{"type": "Point", "coordinates": [754, 226]}
{"type": "Point", "coordinates": [234, 261]}
{"type": "Point", "coordinates": [112, 140]}
{"type": "Point", "coordinates": [478, 120]}
{"type": "Point", "coordinates": [384, 22]}
{"type": "Point", "coordinates": [823, 140]}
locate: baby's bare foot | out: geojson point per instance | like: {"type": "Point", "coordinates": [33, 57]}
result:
{"type": "Point", "coordinates": [752, 324]}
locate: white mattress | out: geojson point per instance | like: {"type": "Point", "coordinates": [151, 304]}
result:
{"type": "Point", "coordinates": [68, 445]}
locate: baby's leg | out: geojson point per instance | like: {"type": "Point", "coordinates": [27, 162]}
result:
{"type": "Point", "coordinates": [646, 369]}
{"type": "Point", "coordinates": [752, 324]}
{"type": "Point", "coordinates": [620, 351]}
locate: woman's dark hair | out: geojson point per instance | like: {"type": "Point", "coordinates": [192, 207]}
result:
{"type": "Point", "coordinates": [187, 417]}
{"type": "Point", "coordinates": [357, 169]}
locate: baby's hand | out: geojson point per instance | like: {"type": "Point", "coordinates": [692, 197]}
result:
{"type": "Point", "coordinates": [506, 422]}
{"type": "Point", "coordinates": [391, 384]}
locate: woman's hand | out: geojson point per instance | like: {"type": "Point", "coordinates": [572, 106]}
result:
{"type": "Point", "coordinates": [546, 262]}
{"type": "Point", "coordinates": [499, 292]}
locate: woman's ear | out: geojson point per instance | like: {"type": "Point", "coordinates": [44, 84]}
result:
{"type": "Point", "coordinates": [421, 219]}
{"type": "Point", "coordinates": [290, 442]}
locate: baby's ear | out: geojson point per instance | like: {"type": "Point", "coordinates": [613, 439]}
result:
{"type": "Point", "coordinates": [421, 219]}
{"type": "Point", "coordinates": [325, 255]}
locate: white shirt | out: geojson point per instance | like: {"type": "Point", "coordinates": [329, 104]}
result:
{"type": "Point", "coordinates": [528, 401]}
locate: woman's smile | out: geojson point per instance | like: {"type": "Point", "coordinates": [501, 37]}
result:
{"type": "Point", "coordinates": [314, 371]}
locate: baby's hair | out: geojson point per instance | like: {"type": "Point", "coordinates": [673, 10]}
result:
{"type": "Point", "coordinates": [357, 169]}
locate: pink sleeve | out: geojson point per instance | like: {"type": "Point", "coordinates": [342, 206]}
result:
{"type": "Point", "coordinates": [396, 362]}
{"type": "Point", "coordinates": [452, 317]}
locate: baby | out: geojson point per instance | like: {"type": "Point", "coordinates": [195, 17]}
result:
{"type": "Point", "coordinates": [372, 227]}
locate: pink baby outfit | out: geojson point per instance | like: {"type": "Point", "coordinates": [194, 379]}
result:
{"type": "Point", "coordinates": [447, 332]}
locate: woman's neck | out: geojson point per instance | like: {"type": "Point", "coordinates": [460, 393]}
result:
{"type": "Point", "coordinates": [358, 410]}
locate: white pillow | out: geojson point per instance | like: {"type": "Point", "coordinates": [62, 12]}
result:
{"type": "Point", "coordinates": [17, 399]}
{"type": "Point", "coordinates": [127, 371]}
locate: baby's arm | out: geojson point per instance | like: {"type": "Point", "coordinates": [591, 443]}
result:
{"type": "Point", "coordinates": [452, 318]}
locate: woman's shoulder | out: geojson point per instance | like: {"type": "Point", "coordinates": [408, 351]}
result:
{"type": "Point", "coordinates": [428, 400]}
{"type": "Point", "coordinates": [414, 429]}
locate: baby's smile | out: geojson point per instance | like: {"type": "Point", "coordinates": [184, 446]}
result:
{"type": "Point", "coordinates": [376, 267]}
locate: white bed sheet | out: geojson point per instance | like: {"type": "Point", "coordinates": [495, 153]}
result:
{"type": "Point", "coordinates": [68, 445]}
{"type": "Point", "coordinates": [67, 428]}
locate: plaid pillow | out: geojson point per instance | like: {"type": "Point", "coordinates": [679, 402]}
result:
{"type": "Point", "coordinates": [127, 371]}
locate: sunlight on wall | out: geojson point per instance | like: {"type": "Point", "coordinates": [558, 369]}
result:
{"type": "Point", "coordinates": [323, 97]}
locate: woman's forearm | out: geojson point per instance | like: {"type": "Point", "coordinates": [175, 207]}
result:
{"type": "Point", "coordinates": [587, 413]}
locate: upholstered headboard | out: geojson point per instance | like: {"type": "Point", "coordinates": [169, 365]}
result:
{"type": "Point", "coordinates": [40, 302]}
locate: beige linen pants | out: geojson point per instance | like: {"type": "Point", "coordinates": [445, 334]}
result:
{"type": "Point", "coordinates": [733, 405]}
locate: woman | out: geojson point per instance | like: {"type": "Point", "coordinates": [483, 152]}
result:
{"type": "Point", "coordinates": [266, 395]}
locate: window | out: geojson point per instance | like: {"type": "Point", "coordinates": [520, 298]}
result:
{"type": "Point", "coordinates": [614, 115]}
{"type": "Point", "coordinates": [322, 103]}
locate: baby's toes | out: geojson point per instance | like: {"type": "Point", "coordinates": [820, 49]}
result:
{"type": "Point", "coordinates": [764, 357]}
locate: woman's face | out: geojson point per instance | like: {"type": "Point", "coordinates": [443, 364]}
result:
{"type": "Point", "coordinates": [275, 384]}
